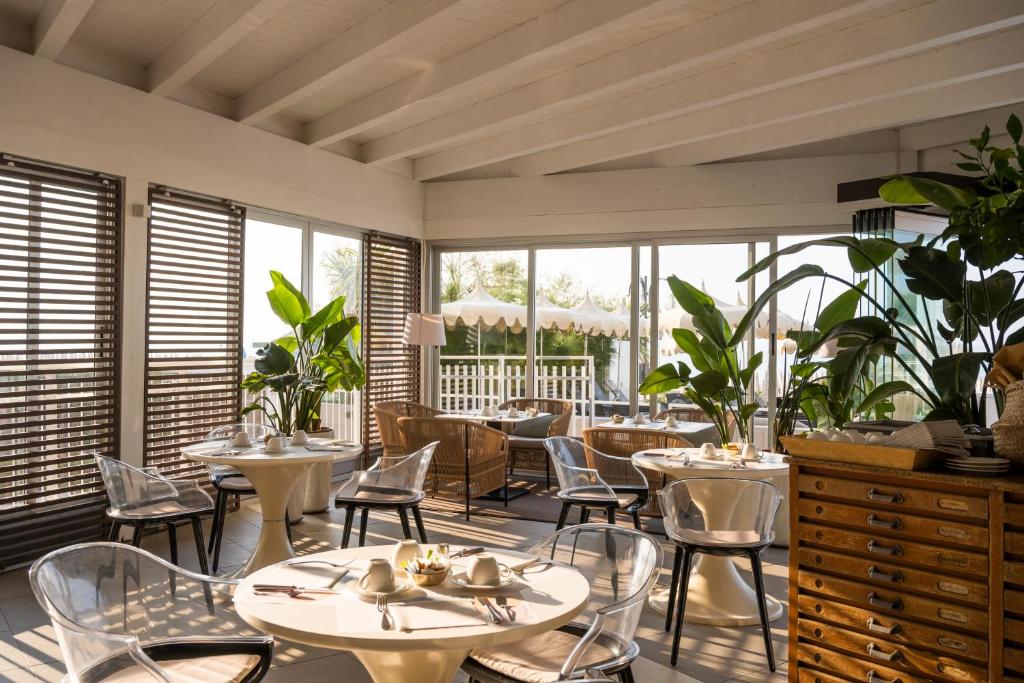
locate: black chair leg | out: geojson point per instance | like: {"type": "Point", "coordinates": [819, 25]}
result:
{"type": "Point", "coordinates": [611, 515]}
{"type": "Point", "coordinates": [172, 536]}
{"type": "Point", "coordinates": [197, 529]}
{"type": "Point", "coordinates": [419, 523]}
{"type": "Point", "coordinates": [288, 527]}
{"type": "Point", "coordinates": [563, 515]}
{"type": "Point", "coordinates": [363, 519]}
{"type": "Point", "coordinates": [584, 514]}
{"type": "Point", "coordinates": [115, 530]}
{"type": "Point", "coordinates": [547, 472]}
{"type": "Point", "coordinates": [137, 536]}
{"type": "Point", "coordinates": [677, 562]}
{"type": "Point", "coordinates": [403, 517]}
{"type": "Point", "coordinates": [217, 525]}
{"type": "Point", "coordinates": [684, 585]}
{"type": "Point", "coordinates": [762, 607]}
{"type": "Point", "coordinates": [636, 520]}
{"type": "Point", "coordinates": [626, 675]}
{"type": "Point", "coordinates": [350, 515]}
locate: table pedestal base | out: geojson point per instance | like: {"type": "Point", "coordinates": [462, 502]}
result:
{"type": "Point", "coordinates": [423, 666]}
{"type": "Point", "coordinates": [274, 487]}
{"type": "Point", "coordinates": [718, 596]}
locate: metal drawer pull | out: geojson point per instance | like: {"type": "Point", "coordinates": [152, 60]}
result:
{"type": "Point", "coordinates": [873, 494]}
{"type": "Point", "coordinates": [887, 630]}
{"type": "Point", "coordinates": [876, 601]}
{"type": "Point", "coordinates": [884, 524]}
{"type": "Point", "coordinates": [874, 573]}
{"type": "Point", "coordinates": [876, 547]}
{"type": "Point", "coordinates": [878, 653]}
{"type": "Point", "coordinates": [873, 677]}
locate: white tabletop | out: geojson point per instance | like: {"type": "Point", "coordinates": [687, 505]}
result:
{"type": "Point", "coordinates": [681, 426]}
{"type": "Point", "coordinates": [673, 461]}
{"type": "Point", "coordinates": [223, 453]}
{"type": "Point", "coordinates": [502, 416]}
{"type": "Point", "coordinates": [555, 594]}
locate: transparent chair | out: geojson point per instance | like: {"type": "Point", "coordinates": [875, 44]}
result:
{"type": "Point", "coordinates": [397, 487]}
{"type": "Point", "coordinates": [123, 614]}
{"type": "Point", "coordinates": [229, 481]}
{"type": "Point", "coordinates": [142, 496]}
{"type": "Point", "coordinates": [579, 467]}
{"type": "Point", "coordinates": [621, 565]}
{"type": "Point", "coordinates": [724, 517]}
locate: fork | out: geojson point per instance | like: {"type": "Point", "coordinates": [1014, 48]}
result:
{"type": "Point", "coordinates": [385, 615]}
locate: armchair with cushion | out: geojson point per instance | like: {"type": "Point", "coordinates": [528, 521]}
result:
{"type": "Point", "coordinates": [526, 442]}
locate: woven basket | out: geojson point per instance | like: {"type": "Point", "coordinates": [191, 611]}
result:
{"type": "Point", "coordinates": [1008, 432]}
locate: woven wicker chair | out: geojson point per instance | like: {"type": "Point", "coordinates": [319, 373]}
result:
{"type": "Point", "coordinates": [625, 442]}
{"type": "Point", "coordinates": [387, 414]}
{"type": "Point", "coordinates": [695, 414]}
{"type": "Point", "coordinates": [469, 461]}
{"type": "Point", "coordinates": [528, 450]}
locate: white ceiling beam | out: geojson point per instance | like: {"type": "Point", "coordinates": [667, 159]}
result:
{"type": "Point", "coordinates": [949, 131]}
{"type": "Point", "coordinates": [393, 26]}
{"type": "Point", "coordinates": [218, 30]}
{"type": "Point", "coordinates": [988, 55]}
{"type": "Point", "coordinates": [56, 24]}
{"type": "Point", "coordinates": [902, 111]}
{"type": "Point", "coordinates": [720, 36]}
{"type": "Point", "coordinates": [544, 37]}
{"type": "Point", "coordinates": [923, 28]}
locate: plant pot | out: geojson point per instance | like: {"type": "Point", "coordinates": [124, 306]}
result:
{"type": "Point", "coordinates": [1008, 431]}
{"type": "Point", "coordinates": [316, 483]}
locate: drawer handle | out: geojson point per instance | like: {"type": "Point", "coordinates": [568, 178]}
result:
{"type": "Point", "coordinates": [873, 677]}
{"type": "Point", "coordinates": [875, 494]}
{"type": "Point", "coordinates": [884, 524]}
{"type": "Point", "coordinates": [875, 573]}
{"type": "Point", "coordinates": [887, 630]}
{"type": "Point", "coordinates": [878, 653]}
{"type": "Point", "coordinates": [876, 601]}
{"type": "Point", "coordinates": [876, 547]}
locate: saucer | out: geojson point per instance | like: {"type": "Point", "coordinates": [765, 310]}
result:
{"type": "Point", "coordinates": [401, 585]}
{"type": "Point", "coordinates": [461, 579]}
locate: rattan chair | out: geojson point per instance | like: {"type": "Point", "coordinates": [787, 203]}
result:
{"type": "Point", "coordinates": [469, 461]}
{"type": "Point", "coordinates": [624, 442]}
{"type": "Point", "coordinates": [581, 484]}
{"type": "Point", "coordinates": [387, 414]}
{"type": "Point", "coordinates": [123, 614]}
{"type": "Point", "coordinates": [529, 449]}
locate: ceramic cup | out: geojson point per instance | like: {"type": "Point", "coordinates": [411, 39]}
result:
{"type": "Point", "coordinates": [275, 444]}
{"type": "Point", "coordinates": [379, 577]}
{"type": "Point", "coordinates": [483, 570]}
{"type": "Point", "coordinates": [670, 421]}
{"type": "Point", "coordinates": [750, 452]}
{"type": "Point", "coordinates": [707, 450]}
{"type": "Point", "coordinates": [513, 412]}
{"type": "Point", "coordinates": [640, 419]}
{"type": "Point", "coordinates": [489, 411]}
{"type": "Point", "coordinates": [299, 438]}
{"type": "Point", "coordinates": [404, 551]}
{"type": "Point", "coordinates": [241, 439]}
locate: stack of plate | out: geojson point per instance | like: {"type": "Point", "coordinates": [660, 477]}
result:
{"type": "Point", "coordinates": [979, 465]}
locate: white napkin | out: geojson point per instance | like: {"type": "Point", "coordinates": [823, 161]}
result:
{"type": "Point", "coordinates": [435, 613]}
{"type": "Point", "coordinates": [665, 452]}
{"type": "Point", "coordinates": [306, 575]}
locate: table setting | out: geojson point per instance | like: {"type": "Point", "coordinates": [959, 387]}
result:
{"type": "Point", "coordinates": [694, 431]}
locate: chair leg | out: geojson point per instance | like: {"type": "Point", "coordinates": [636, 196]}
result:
{"type": "Point", "coordinates": [563, 515]}
{"type": "Point", "coordinates": [636, 519]}
{"type": "Point", "coordinates": [419, 523]}
{"type": "Point", "coordinates": [584, 514]}
{"type": "Point", "coordinates": [363, 519]}
{"type": "Point", "coordinates": [677, 563]}
{"type": "Point", "coordinates": [506, 489]}
{"type": "Point", "coordinates": [288, 527]}
{"type": "Point", "coordinates": [611, 516]}
{"type": "Point", "coordinates": [197, 529]}
{"type": "Point", "coordinates": [217, 525]}
{"type": "Point", "coordinates": [137, 536]}
{"type": "Point", "coordinates": [115, 531]}
{"type": "Point", "coordinates": [403, 517]}
{"type": "Point", "coordinates": [684, 585]}
{"type": "Point", "coordinates": [350, 515]}
{"type": "Point", "coordinates": [762, 607]}
{"type": "Point", "coordinates": [172, 536]}
{"type": "Point", "coordinates": [626, 675]}
{"type": "Point", "coordinates": [547, 472]}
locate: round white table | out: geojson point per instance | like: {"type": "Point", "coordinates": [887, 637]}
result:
{"type": "Point", "coordinates": [717, 594]}
{"type": "Point", "coordinates": [425, 655]}
{"type": "Point", "coordinates": [273, 477]}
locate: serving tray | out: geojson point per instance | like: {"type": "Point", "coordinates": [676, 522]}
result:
{"type": "Point", "coordinates": [862, 454]}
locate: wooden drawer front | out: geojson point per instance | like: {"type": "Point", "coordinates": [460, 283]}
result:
{"type": "Point", "coordinates": [895, 629]}
{"type": "Point", "coordinates": [897, 524]}
{"type": "Point", "coordinates": [1013, 572]}
{"type": "Point", "coordinates": [1013, 542]}
{"type": "Point", "coordinates": [895, 577]}
{"type": "Point", "coordinates": [1014, 514]}
{"type": "Point", "coordinates": [1013, 629]}
{"type": "Point", "coordinates": [890, 654]}
{"type": "Point", "coordinates": [895, 496]}
{"type": "Point", "coordinates": [1013, 659]}
{"type": "Point", "coordinates": [805, 675]}
{"type": "Point", "coordinates": [896, 550]}
{"type": "Point", "coordinates": [852, 667]}
{"type": "Point", "coordinates": [1013, 601]}
{"type": "Point", "coordinates": [893, 602]}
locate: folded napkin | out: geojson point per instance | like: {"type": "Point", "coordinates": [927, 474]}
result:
{"type": "Point", "coordinates": [306, 575]}
{"type": "Point", "coordinates": [945, 436]}
{"type": "Point", "coordinates": [435, 614]}
{"type": "Point", "coordinates": [664, 452]}
{"type": "Point", "coordinates": [1007, 366]}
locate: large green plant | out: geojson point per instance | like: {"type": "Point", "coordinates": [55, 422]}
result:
{"type": "Point", "coordinates": [319, 356]}
{"type": "Point", "coordinates": [720, 386]}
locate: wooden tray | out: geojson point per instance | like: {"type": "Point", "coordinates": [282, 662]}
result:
{"type": "Point", "coordinates": [862, 454]}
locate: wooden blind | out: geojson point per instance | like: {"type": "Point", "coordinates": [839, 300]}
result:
{"type": "Point", "coordinates": [60, 249]}
{"type": "Point", "coordinates": [391, 288]}
{"type": "Point", "coordinates": [193, 323]}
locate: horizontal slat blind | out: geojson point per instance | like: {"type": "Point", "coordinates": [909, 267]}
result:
{"type": "Point", "coordinates": [193, 323]}
{"type": "Point", "coordinates": [60, 251]}
{"type": "Point", "coordinates": [391, 288]}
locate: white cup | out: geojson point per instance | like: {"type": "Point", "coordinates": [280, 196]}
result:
{"type": "Point", "coordinates": [513, 412]}
{"type": "Point", "coordinates": [379, 577]}
{"type": "Point", "coordinates": [404, 551]}
{"type": "Point", "coordinates": [670, 421]}
{"type": "Point", "coordinates": [275, 444]}
{"type": "Point", "coordinates": [707, 450]}
{"type": "Point", "coordinates": [241, 439]}
{"type": "Point", "coordinates": [489, 411]}
{"type": "Point", "coordinates": [640, 419]}
{"type": "Point", "coordinates": [750, 452]}
{"type": "Point", "coordinates": [483, 570]}
{"type": "Point", "coordinates": [298, 438]}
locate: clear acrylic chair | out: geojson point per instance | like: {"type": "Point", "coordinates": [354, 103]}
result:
{"type": "Point", "coordinates": [229, 481]}
{"type": "Point", "coordinates": [741, 524]}
{"type": "Point", "coordinates": [398, 487]}
{"type": "Point", "coordinates": [621, 565]}
{"type": "Point", "coordinates": [123, 614]}
{"type": "Point", "coordinates": [142, 496]}
{"type": "Point", "coordinates": [578, 468]}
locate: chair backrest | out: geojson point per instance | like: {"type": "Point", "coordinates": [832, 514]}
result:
{"type": "Point", "coordinates": [579, 466]}
{"type": "Point", "coordinates": [625, 441]}
{"type": "Point", "coordinates": [555, 406]}
{"type": "Point", "coordinates": [621, 565]}
{"type": "Point", "coordinates": [456, 439]}
{"type": "Point", "coordinates": [743, 513]}
{"type": "Point", "coordinates": [410, 472]}
{"type": "Point", "coordinates": [387, 414]}
{"type": "Point", "coordinates": [130, 487]}
{"type": "Point", "coordinates": [256, 432]}
{"type": "Point", "coordinates": [106, 600]}
{"type": "Point", "coordinates": [685, 413]}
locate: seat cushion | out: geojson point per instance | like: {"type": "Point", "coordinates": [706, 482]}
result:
{"type": "Point", "coordinates": [535, 427]}
{"type": "Point", "coordinates": [722, 539]}
{"type": "Point", "coordinates": [217, 669]}
{"type": "Point", "coordinates": [239, 484]}
{"type": "Point", "coordinates": [596, 496]}
{"type": "Point", "coordinates": [377, 495]}
{"type": "Point", "coordinates": [540, 658]}
{"type": "Point", "coordinates": [526, 443]}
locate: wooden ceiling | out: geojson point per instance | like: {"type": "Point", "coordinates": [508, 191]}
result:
{"type": "Point", "coordinates": [437, 89]}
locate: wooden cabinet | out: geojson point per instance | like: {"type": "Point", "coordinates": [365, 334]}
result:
{"type": "Point", "coordinates": [904, 576]}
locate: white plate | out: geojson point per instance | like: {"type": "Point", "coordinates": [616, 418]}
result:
{"type": "Point", "coordinates": [978, 461]}
{"type": "Point", "coordinates": [460, 579]}
{"type": "Point", "coordinates": [400, 587]}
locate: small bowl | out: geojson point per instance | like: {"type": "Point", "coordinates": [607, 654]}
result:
{"type": "Point", "coordinates": [429, 578]}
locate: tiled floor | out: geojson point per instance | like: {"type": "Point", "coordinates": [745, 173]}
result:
{"type": "Point", "coordinates": [28, 651]}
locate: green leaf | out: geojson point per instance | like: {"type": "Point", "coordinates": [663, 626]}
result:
{"type": "Point", "coordinates": [871, 252]}
{"type": "Point", "coordinates": [272, 359]}
{"type": "Point", "coordinates": [800, 273]}
{"type": "Point", "coordinates": [932, 274]}
{"type": "Point", "coordinates": [990, 297]}
{"type": "Point", "coordinates": [867, 330]}
{"type": "Point", "coordinates": [1013, 127]}
{"type": "Point", "coordinates": [956, 376]}
{"type": "Point", "coordinates": [665, 378]}
{"type": "Point", "coordinates": [970, 167]}
{"type": "Point", "coordinates": [289, 342]}
{"type": "Point", "coordinates": [286, 301]}
{"type": "Point", "coordinates": [882, 392]}
{"type": "Point", "coordinates": [279, 382]}
{"type": "Point", "coordinates": [706, 318]}
{"type": "Point", "coordinates": [328, 315]}
{"type": "Point", "coordinates": [843, 307]}
{"type": "Point", "coordinates": [915, 190]}
{"type": "Point", "coordinates": [710, 382]}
